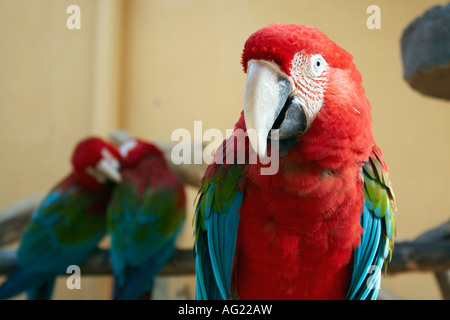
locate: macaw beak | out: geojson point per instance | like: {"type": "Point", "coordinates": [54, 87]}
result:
{"type": "Point", "coordinates": [269, 103]}
{"type": "Point", "coordinates": [109, 168]}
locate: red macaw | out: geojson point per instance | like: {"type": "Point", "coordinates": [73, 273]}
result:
{"type": "Point", "coordinates": [69, 222]}
{"type": "Point", "coordinates": [322, 226]}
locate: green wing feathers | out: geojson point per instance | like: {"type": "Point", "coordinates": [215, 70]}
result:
{"type": "Point", "coordinates": [380, 198]}
{"type": "Point", "coordinates": [378, 223]}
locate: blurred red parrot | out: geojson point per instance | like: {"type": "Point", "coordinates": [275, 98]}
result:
{"type": "Point", "coordinates": [69, 222]}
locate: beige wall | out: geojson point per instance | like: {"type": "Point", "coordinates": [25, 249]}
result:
{"type": "Point", "coordinates": [152, 66]}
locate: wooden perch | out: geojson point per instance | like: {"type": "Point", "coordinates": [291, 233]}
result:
{"type": "Point", "coordinates": [423, 254]}
{"type": "Point", "coordinates": [411, 256]}
{"type": "Point", "coordinates": [430, 252]}
{"type": "Point", "coordinates": [14, 219]}
{"type": "Point", "coordinates": [181, 263]}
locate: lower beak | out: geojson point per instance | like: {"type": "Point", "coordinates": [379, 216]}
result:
{"type": "Point", "coordinates": [269, 104]}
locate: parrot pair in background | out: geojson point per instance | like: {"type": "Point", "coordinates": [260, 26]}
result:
{"type": "Point", "coordinates": [69, 222]}
{"type": "Point", "coordinates": [322, 226]}
{"type": "Point", "coordinates": [145, 216]}
{"type": "Point", "coordinates": [127, 192]}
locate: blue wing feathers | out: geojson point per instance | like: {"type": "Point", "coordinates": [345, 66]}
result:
{"type": "Point", "coordinates": [41, 253]}
{"type": "Point", "coordinates": [363, 254]}
{"type": "Point", "coordinates": [368, 252]}
{"type": "Point", "coordinates": [231, 225]}
{"type": "Point", "coordinates": [18, 281]}
{"type": "Point", "coordinates": [143, 232]}
{"type": "Point", "coordinates": [214, 254]}
{"type": "Point", "coordinates": [216, 225]}
{"type": "Point", "coordinates": [42, 292]}
{"type": "Point", "coordinates": [140, 278]}
{"type": "Point", "coordinates": [377, 221]}
{"type": "Point", "coordinates": [222, 244]}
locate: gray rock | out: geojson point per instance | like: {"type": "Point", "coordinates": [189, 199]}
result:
{"type": "Point", "coordinates": [425, 48]}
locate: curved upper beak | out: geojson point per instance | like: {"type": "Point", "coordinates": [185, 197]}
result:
{"type": "Point", "coordinates": [109, 168]}
{"type": "Point", "coordinates": [269, 104]}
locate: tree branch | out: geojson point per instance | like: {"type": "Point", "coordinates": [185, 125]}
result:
{"type": "Point", "coordinates": [429, 252]}
{"type": "Point", "coordinates": [411, 256]}
{"type": "Point", "coordinates": [14, 219]}
{"type": "Point", "coordinates": [181, 263]}
{"type": "Point", "coordinates": [408, 256]}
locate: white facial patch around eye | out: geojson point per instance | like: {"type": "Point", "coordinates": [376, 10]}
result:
{"type": "Point", "coordinates": [313, 67]}
{"type": "Point", "coordinates": [309, 73]}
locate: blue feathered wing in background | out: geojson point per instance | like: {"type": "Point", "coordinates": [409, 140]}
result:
{"type": "Point", "coordinates": [145, 216]}
{"type": "Point", "coordinates": [63, 231]}
{"type": "Point", "coordinates": [67, 225]}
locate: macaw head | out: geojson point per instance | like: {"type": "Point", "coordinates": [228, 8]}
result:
{"type": "Point", "coordinates": [96, 162]}
{"type": "Point", "coordinates": [132, 149]}
{"type": "Point", "coordinates": [293, 72]}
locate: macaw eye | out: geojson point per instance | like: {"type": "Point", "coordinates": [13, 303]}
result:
{"type": "Point", "coordinates": [318, 65]}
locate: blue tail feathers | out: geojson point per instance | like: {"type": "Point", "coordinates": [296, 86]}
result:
{"type": "Point", "coordinates": [38, 286]}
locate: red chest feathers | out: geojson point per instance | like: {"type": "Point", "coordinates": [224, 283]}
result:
{"type": "Point", "coordinates": [297, 232]}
